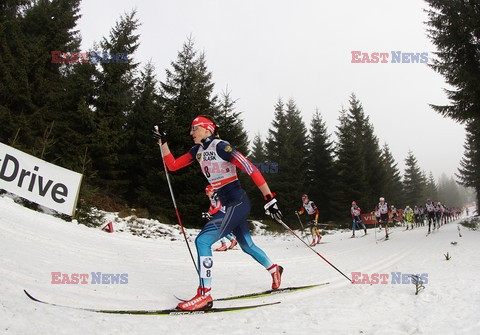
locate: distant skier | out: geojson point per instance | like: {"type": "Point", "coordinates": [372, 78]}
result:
{"type": "Point", "coordinates": [394, 214]}
{"type": "Point", "coordinates": [416, 215]}
{"type": "Point", "coordinates": [438, 214]}
{"type": "Point", "coordinates": [382, 208]}
{"type": "Point", "coordinates": [430, 214]}
{"type": "Point", "coordinates": [423, 215]}
{"type": "Point", "coordinates": [408, 214]}
{"type": "Point", "coordinates": [216, 212]}
{"type": "Point", "coordinates": [311, 209]}
{"type": "Point", "coordinates": [356, 218]}
{"type": "Point", "coordinates": [219, 162]}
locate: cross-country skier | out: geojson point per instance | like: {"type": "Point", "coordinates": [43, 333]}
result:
{"type": "Point", "coordinates": [219, 162]}
{"type": "Point", "coordinates": [408, 214]}
{"type": "Point", "coordinates": [430, 214]}
{"type": "Point", "coordinates": [422, 215]}
{"type": "Point", "coordinates": [311, 209]}
{"type": "Point", "coordinates": [393, 212]}
{"type": "Point", "coordinates": [356, 218]}
{"type": "Point", "coordinates": [382, 208]}
{"type": "Point", "coordinates": [416, 213]}
{"type": "Point", "coordinates": [216, 212]}
{"type": "Point", "coordinates": [438, 214]}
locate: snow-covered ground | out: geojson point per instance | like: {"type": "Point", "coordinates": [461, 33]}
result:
{"type": "Point", "coordinates": [33, 245]}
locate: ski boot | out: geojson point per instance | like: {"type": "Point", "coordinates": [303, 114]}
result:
{"type": "Point", "coordinates": [223, 247]}
{"type": "Point", "coordinates": [313, 243]}
{"type": "Point", "coordinates": [276, 272]}
{"type": "Point", "coordinates": [202, 301]}
{"type": "Point", "coordinates": [233, 243]}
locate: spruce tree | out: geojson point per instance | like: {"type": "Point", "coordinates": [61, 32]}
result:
{"type": "Point", "coordinates": [186, 93]}
{"type": "Point", "coordinates": [33, 88]}
{"type": "Point", "coordinates": [287, 147]}
{"type": "Point", "coordinates": [393, 187]}
{"type": "Point", "coordinates": [75, 124]}
{"type": "Point", "coordinates": [277, 135]}
{"type": "Point", "coordinates": [258, 156]}
{"type": "Point", "coordinates": [350, 163]}
{"type": "Point", "coordinates": [141, 160]}
{"type": "Point", "coordinates": [113, 104]}
{"type": "Point", "coordinates": [431, 190]}
{"type": "Point", "coordinates": [321, 173]}
{"type": "Point", "coordinates": [414, 182]}
{"type": "Point", "coordinates": [367, 143]}
{"type": "Point", "coordinates": [449, 192]}
{"type": "Point", "coordinates": [50, 26]}
{"type": "Point", "coordinates": [359, 162]}
{"type": "Point", "coordinates": [231, 124]}
{"type": "Point", "coordinates": [453, 29]}
{"type": "Point", "coordinates": [14, 92]}
{"type": "Point", "coordinates": [469, 171]}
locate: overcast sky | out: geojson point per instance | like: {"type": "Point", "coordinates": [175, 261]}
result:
{"type": "Point", "coordinates": [264, 50]}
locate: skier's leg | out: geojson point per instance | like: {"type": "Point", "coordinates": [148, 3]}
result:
{"type": "Point", "coordinates": [313, 232]}
{"type": "Point", "coordinates": [238, 217]}
{"type": "Point", "coordinates": [204, 241]}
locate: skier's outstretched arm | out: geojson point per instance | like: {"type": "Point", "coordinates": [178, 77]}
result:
{"type": "Point", "coordinates": [170, 161]}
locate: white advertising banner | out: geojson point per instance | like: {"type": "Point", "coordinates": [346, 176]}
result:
{"type": "Point", "coordinates": [36, 180]}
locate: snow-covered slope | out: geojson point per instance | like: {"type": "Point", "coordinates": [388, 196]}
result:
{"type": "Point", "coordinates": [33, 245]}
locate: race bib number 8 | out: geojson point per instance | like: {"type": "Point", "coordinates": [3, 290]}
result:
{"type": "Point", "coordinates": [206, 265]}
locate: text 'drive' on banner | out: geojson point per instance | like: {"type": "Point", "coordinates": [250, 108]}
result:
{"type": "Point", "coordinates": [36, 180]}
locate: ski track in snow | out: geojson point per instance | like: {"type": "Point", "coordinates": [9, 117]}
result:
{"type": "Point", "coordinates": [33, 245]}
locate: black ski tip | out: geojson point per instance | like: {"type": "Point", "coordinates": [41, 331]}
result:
{"type": "Point", "coordinates": [31, 296]}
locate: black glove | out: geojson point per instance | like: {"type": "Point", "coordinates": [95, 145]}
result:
{"type": "Point", "coordinates": [159, 134]}
{"type": "Point", "coordinates": [271, 207]}
{"type": "Point", "coordinates": [207, 216]}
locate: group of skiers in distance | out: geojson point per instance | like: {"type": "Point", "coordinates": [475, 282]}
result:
{"type": "Point", "coordinates": [432, 213]}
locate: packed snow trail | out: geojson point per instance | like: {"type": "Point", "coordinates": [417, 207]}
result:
{"type": "Point", "coordinates": [33, 245]}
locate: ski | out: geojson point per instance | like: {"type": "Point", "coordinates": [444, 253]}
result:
{"type": "Point", "coordinates": [386, 239]}
{"type": "Point", "coordinates": [171, 312]}
{"type": "Point", "coordinates": [266, 293]}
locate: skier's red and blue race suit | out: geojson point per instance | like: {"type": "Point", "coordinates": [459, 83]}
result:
{"type": "Point", "coordinates": [219, 162]}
